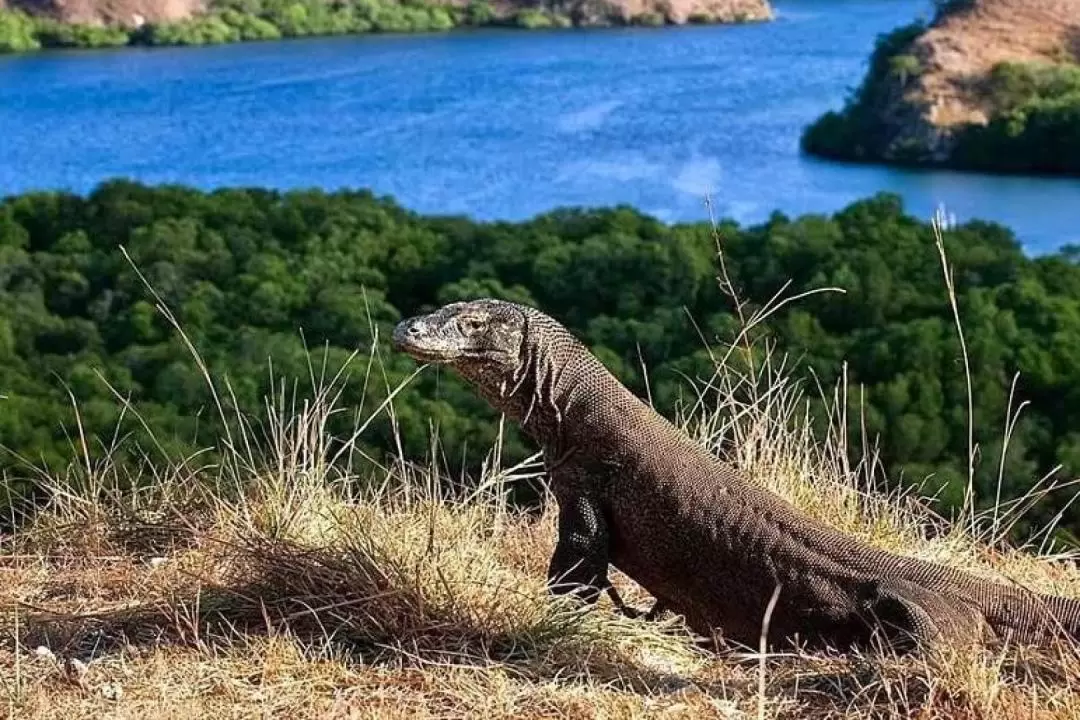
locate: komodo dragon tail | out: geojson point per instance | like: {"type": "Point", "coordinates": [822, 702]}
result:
{"type": "Point", "coordinates": [1028, 617]}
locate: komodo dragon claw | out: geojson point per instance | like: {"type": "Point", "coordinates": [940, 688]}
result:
{"type": "Point", "coordinates": [633, 612]}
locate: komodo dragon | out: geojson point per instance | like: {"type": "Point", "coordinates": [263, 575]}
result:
{"type": "Point", "coordinates": [636, 492]}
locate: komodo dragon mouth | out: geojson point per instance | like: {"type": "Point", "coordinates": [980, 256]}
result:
{"type": "Point", "coordinates": [414, 338]}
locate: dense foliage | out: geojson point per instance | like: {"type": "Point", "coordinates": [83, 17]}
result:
{"type": "Point", "coordinates": [1034, 113]}
{"type": "Point", "coordinates": [239, 20]}
{"type": "Point", "coordinates": [254, 275]}
{"type": "Point", "coordinates": [1035, 122]}
{"type": "Point", "coordinates": [236, 20]}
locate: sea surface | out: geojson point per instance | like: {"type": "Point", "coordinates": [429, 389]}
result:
{"type": "Point", "coordinates": [500, 123]}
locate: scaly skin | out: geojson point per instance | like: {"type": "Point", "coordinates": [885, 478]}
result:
{"type": "Point", "coordinates": [636, 492]}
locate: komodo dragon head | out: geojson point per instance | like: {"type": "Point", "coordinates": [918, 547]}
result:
{"type": "Point", "coordinates": [483, 340]}
{"type": "Point", "coordinates": [515, 356]}
{"type": "Point", "coordinates": [467, 335]}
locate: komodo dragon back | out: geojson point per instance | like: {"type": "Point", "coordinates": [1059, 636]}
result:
{"type": "Point", "coordinates": [637, 493]}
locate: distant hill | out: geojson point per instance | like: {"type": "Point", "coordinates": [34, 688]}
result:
{"type": "Point", "coordinates": [32, 24]}
{"type": "Point", "coordinates": [988, 85]}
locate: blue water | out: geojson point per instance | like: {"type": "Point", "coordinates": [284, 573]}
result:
{"type": "Point", "coordinates": [499, 124]}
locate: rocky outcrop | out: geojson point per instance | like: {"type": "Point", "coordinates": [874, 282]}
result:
{"type": "Point", "coordinates": [957, 53]}
{"type": "Point", "coordinates": [962, 46]}
{"type": "Point", "coordinates": [927, 86]}
{"type": "Point", "coordinates": [128, 13]}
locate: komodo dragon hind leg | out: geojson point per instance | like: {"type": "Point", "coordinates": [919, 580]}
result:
{"type": "Point", "coordinates": [910, 616]}
{"type": "Point", "coordinates": [579, 565]}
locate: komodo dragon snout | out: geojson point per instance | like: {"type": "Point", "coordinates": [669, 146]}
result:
{"type": "Point", "coordinates": [636, 492]}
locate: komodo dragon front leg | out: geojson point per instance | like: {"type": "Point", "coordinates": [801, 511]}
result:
{"type": "Point", "coordinates": [579, 565]}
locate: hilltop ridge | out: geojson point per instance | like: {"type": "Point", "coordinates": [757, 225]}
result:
{"type": "Point", "coordinates": [129, 13]}
{"type": "Point", "coordinates": [965, 45]}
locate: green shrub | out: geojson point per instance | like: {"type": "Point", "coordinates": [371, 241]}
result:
{"type": "Point", "coordinates": [1035, 123]}
{"type": "Point", "coordinates": [532, 19]}
{"type": "Point", "coordinates": [203, 30]}
{"type": "Point", "coordinates": [904, 67]}
{"type": "Point", "coordinates": [53, 34]}
{"type": "Point", "coordinates": [250, 27]}
{"type": "Point", "coordinates": [392, 18]}
{"type": "Point", "coordinates": [1012, 86]}
{"type": "Point", "coordinates": [479, 12]}
{"type": "Point", "coordinates": [441, 19]}
{"type": "Point", "coordinates": [650, 19]}
{"type": "Point", "coordinates": [18, 32]}
{"type": "Point", "coordinates": [292, 20]}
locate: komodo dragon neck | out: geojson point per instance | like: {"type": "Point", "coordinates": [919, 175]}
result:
{"type": "Point", "coordinates": [561, 393]}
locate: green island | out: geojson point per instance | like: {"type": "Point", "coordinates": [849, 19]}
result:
{"type": "Point", "coordinates": [229, 21]}
{"type": "Point", "coordinates": [256, 276]}
{"type": "Point", "coordinates": [1032, 109]}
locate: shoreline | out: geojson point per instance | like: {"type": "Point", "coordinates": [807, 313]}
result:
{"type": "Point", "coordinates": [23, 34]}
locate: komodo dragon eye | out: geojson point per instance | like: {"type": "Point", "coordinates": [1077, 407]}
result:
{"type": "Point", "coordinates": [470, 325]}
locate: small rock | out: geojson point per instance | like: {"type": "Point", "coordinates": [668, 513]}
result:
{"type": "Point", "coordinates": [112, 691]}
{"type": "Point", "coordinates": [43, 652]}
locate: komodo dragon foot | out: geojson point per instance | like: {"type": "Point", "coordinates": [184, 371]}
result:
{"type": "Point", "coordinates": [632, 612]}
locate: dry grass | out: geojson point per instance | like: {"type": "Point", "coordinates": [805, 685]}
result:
{"type": "Point", "coordinates": [283, 584]}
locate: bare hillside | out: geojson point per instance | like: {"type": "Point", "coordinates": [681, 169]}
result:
{"type": "Point", "coordinates": [960, 49]}
{"type": "Point", "coordinates": [989, 85]}
{"type": "Point", "coordinates": [110, 12]}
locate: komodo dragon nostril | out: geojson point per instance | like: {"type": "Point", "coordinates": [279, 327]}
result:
{"type": "Point", "coordinates": [406, 330]}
